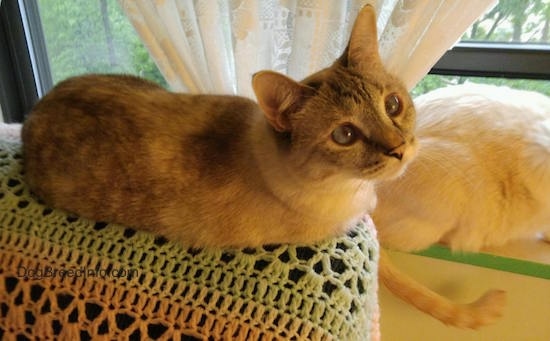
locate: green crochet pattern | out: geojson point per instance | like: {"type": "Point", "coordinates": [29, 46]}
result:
{"type": "Point", "coordinates": [64, 277]}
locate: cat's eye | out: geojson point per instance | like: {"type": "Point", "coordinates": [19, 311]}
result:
{"type": "Point", "coordinates": [393, 105]}
{"type": "Point", "coordinates": [345, 135]}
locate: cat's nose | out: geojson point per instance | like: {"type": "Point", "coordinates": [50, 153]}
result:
{"type": "Point", "coordinates": [396, 152]}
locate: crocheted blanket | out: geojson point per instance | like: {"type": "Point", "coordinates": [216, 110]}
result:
{"type": "Point", "coordinates": [64, 277]}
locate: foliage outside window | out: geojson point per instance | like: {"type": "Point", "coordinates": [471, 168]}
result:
{"type": "Point", "coordinates": [510, 21]}
{"type": "Point", "coordinates": [95, 36]}
{"type": "Point", "coordinates": [85, 36]}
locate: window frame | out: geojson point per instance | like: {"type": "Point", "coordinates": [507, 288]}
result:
{"type": "Point", "coordinates": [25, 63]}
{"type": "Point", "coordinates": [504, 60]}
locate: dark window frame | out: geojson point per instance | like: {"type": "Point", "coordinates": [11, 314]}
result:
{"type": "Point", "coordinates": [24, 64]}
{"type": "Point", "coordinates": [488, 59]}
{"type": "Point", "coordinates": [26, 75]}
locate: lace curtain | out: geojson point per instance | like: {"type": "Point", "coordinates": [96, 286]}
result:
{"type": "Point", "coordinates": [214, 46]}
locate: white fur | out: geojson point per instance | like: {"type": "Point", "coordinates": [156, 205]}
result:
{"type": "Point", "coordinates": [482, 174]}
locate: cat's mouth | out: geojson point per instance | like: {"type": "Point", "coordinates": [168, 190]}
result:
{"type": "Point", "coordinates": [387, 167]}
{"type": "Point", "coordinates": [374, 169]}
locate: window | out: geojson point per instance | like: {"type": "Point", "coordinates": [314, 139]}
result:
{"type": "Point", "coordinates": [17, 90]}
{"type": "Point", "coordinates": [85, 36]}
{"type": "Point", "coordinates": [509, 45]}
{"type": "Point", "coordinates": [49, 40]}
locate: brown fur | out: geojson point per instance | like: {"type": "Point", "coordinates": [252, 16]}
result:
{"type": "Point", "coordinates": [211, 170]}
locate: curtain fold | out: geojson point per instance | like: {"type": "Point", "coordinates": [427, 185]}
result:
{"type": "Point", "coordinates": [215, 46]}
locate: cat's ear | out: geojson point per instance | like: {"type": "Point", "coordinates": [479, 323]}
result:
{"type": "Point", "coordinates": [278, 97]}
{"type": "Point", "coordinates": [362, 51]}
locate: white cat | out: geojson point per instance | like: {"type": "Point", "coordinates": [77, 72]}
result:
{"type": "Point", "coordinates": [481, 178]}
{"type": "Point", "coordinates": [482, 174]}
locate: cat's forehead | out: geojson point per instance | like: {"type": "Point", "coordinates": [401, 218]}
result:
{"type": "Point", "coordinates": [345, 96]}
{"type": "Point", "coordinates": [345, 89]}
{"type": "Point", "coordinates": [343, 82]}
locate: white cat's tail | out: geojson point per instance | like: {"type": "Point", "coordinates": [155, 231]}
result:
{"type": "Point", "coordinates": [485, 310]}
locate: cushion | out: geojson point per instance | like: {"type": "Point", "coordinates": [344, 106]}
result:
{"type": "Point", "coordinates": [64, 277]}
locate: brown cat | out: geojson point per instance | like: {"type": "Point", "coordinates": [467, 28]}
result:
{"type": "Point", "coordinates": [209, 170]}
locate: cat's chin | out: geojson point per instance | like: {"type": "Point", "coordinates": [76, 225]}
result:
{"type": "Point", "coordinates": [388, 170]}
